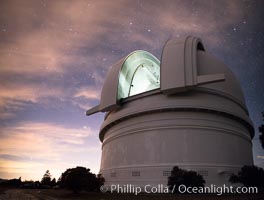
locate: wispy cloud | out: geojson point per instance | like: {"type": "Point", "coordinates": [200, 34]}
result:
{"type": "Point", "coordinates": [31, 145]}
{"type": "Point", "coordinates": [46, 45]}
{"type": "Point", "coordinates": [88, 93]}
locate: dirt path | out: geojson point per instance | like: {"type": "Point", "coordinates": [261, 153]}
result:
{"type": "Point", "coordinates": [23, 195]}
{"type": "Point", "coordinates": [16, 195]}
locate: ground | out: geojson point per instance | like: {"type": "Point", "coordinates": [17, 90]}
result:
{"type": "Point", "coordinates": [49, 194]}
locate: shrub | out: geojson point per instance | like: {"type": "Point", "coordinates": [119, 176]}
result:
{"type": "Point", "coordinates": [183, 177]}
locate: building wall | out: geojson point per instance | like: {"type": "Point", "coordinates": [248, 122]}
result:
{"type": "Point", "coordinates": [143, 149]}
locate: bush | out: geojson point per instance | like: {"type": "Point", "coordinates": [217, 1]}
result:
{"type": "Point", "coordinates": [80, 178]}
{"type": "Point", "coordinates": [183, 177]}
{"type": "Point", "coordinates": [249, 176]}
{"type": "Point", "coordinates": [11, 183]}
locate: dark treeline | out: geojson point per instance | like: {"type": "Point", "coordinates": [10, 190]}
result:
{"type": "Point", "coordinates": [81, 179]}
{"type": "Point", "coordinates": [75, 179]}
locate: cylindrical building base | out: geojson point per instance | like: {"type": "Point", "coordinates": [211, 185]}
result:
{"type": "Point", "coordinates": [143, 149]}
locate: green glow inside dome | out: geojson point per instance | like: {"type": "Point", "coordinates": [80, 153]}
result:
{"type": "Point", "coordinates": [140, 73]}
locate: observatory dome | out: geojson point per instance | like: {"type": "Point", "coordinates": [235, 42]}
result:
{"type": "Point", "coordinates": [185, 110]}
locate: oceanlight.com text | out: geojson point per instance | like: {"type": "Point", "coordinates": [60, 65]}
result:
{"type": "Point", "coordinates": [181, 189]}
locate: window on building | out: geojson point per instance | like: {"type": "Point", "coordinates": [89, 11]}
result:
{"type": "Point", "coordinates": [166, 173]}
{"type": "Point", "coordinates": [139, 73]}
{"type": "Point", "coordinates": [203, 172]}
{"type": "Point", "coordinates": [135, 173]}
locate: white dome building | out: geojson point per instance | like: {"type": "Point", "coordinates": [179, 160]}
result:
{"type": "Point", "coordinates": [187, 110]}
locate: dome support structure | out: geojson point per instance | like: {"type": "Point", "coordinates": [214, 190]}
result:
{"type": "Point", "coordinates": [179, 66]}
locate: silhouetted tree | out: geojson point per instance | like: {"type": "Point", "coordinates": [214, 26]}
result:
{"type": "Point", "coordinates": [99, 182]}
{"type": "Point", "coordinates": [80, 178]}
{"type": "Point", "coordinates": [46, 180]}
{"type": "Point", "coordinates": [261, 130]}
{"type": "Point", "coordinates": [249, 176]}
{"type": "Point", "coordinates": [53, 182]}
{"type": "Point", "coordinates": [183, 177]}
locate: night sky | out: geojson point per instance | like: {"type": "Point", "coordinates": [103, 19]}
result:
{"type": "Point", "coordinates": [54, 57]}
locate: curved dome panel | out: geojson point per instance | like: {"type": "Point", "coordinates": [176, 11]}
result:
{"type": "Point", "coordinates": [140, 73]}
{"type": "Point", "coordinates": [208, 64]}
